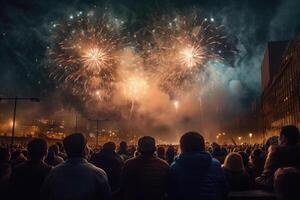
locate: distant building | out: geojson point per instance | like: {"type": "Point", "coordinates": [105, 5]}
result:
{"type": "Point", "coordinates": [271, 61]}
{"type": "Point", "coordinates": [280, 100]}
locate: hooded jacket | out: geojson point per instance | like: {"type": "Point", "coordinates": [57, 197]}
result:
{"type": "Point", "coordinates": [196, 175]}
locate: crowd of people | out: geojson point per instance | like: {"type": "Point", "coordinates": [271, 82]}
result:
{"type": "Point", "coordinates": [192, 170]}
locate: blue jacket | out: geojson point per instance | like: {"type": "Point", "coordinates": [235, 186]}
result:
{"type": "Point", "coordinates": [197, 175]}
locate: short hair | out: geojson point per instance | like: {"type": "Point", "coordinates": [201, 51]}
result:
{"type": "Point", "coordinates": [37, 148]}
{"type": "Point", "coordinates": [146, 145]}
{"type": "Point", "coordinates": [291, 133]}
{"type": "Point", "coordinates": [192, 141]}
{"type": "Point", "coordinates": [110, 146]}
{"type": "Point", "coordinates": [74, 145]}
{"type": "Point", "coordinates": [234, 162]}
{"type": "Point", "coordinates": [123, 145]}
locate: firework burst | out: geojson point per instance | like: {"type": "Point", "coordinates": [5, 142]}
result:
{"type": "Point", "coordinates": [180, 46]}
{"type": "Point", "coordinates": [90, 57]}
{"type": "Point", "coordinates": [84, 54]}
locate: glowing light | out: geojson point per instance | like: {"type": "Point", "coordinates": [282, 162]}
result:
{"type": "Point", "coordinates": [191, 56]}
{"type": "Point", "coordinates": [83, 55]}
{"type": "Point", "coordinates": [98, 95]}
{"type": "Point", "coordinates": [250, 135]}
{"type": "Point", "coordinates": [181, 51]}
{"type": "Point", "coordinates": [86, 57]}
{"type": "Point", "coordinates": [11, 122]}
{"type": "Point", "coordinates": [94, 59]}
{"type": "Point", "coordinates": [135, 87]}
{"type": "Point", "coordinates": [176, 105]}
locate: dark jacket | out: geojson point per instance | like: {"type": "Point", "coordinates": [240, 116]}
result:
{"type": "Point", "coordinates": [237, 180]}
{"type": "Point", "coordinates": [112, 164]}
{"type": "Point", "coordinates": [278, 156]}
{"type": "Point", "coordinates": [197, 175]}
{"type": "Point", "coordinates": [53, 160]}
{"type": "Point", "coordinates": [27, 179]}
{"type": "Point", "coordinates": [5, 172]}
{"type": "Point", "coordinates": [76, 179]}
{"type": "Point", "coordinates": [145, 178]}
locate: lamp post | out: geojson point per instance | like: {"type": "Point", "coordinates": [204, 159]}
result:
{"type": "Point", "coordinates": [250, 136]}
{"type": "Point", "coordinates": [97, 127]}
{"type": "Point", "coordinates": [240, 138]}
{"type": "Point", "coordinates": [16, 99]}
{"type": "Point", "coordinates": [176, 105]}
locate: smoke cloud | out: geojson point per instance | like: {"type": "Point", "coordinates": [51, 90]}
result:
{"type": "Point", "coordinates": [224, 91]}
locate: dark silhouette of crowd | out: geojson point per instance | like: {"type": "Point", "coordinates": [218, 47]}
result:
{"type": "Point", "coordinates": [193, 170]}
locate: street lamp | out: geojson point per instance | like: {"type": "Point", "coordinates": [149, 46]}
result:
{"type": "Point", "coordinates": [97, 129]}
{"type": "Point", "coordinates": [176, 105]}
{"type": "Point", "coordinates": [240, 138]}
{"type": "Point", "coordinates": [16, 99]}
{"type": "Point", "coordinates": [250, 136]}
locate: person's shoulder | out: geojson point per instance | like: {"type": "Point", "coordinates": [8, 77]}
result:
{"type": "Point", "coordinates": [95, 170]}
{"type": "Point", "coordinates": [46, 167]}
{"type": "Point", "coordinates": [131, 161]}
{"type": "Point", "coordinates": [215, 162]}
{"type": "Point", "coordinates": [20, 167]}
{"type": "Point", "coordinates": [97, 173]}
{"type": "Point", "coordinates": [57, 168]}
{"type": "Point", "coordinates": [162, 162]}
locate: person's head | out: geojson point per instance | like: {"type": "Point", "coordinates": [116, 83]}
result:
{"type": "Point", "coordinates": [248, 151]}
{"type": "Point", "coordinates": [245, 157]}
{"type": "Point", "coordinates": [53, 150]}
{"type": "Point", "coordinates": [216, 151]}
{"type": "Point", "coordinates": [257, 159]}
{"type": "Point", "coordinates": [170, 154]}
{"type": "Point", "coordinates": [289, 135]}
{"type": "Point", "coordinates": [287, 183]}
{"type": "Point", "coordinates": [161, 152]}
{"type": "Point", "coordinates": [74, 145]}
{"type": "Point", "coordinates": [37, 149]}
{"type": "Point", "coordinates": [123, 145]}
{"type": "Point", "coordinates": [233, 162]}
{"type": "Point", "coordinates": [171, 151]}
{"type": "Point", "coordinates": [191, 142]}
{"type": "Point", "coordinates": [109, 146]}
{"type": "Point", "coordinates": [4, 155]}
{"type": "Point", "coordinates": [132, 149]}
{"type": "Point", "coordinates": [146, 145]}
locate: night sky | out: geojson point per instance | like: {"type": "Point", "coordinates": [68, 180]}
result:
{"type": "Point", "coordinates": [24, 35]}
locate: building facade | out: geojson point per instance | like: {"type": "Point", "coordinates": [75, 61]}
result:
{"type": "Point", "coordinates": [280, 100]}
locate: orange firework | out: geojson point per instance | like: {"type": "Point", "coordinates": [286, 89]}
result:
{"type": "Point", "coordinates": [180, 47]}
{"type": "Point", "coordinates": [84, 54]}
{"type": "Point", "coordinates": [191, 56]}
